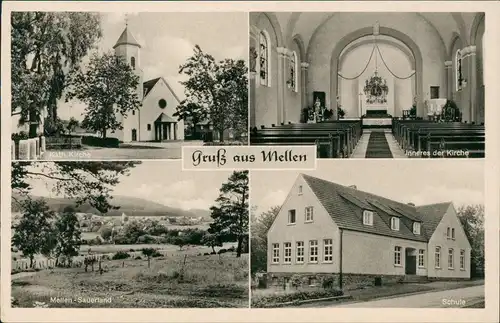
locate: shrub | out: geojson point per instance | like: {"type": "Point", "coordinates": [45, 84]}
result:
{"type": "Point", "coordinates": [132, 250]}
{"type": "Point", "coordinates": [121, 255]}
{"type": "Point", "coordinates": [222, 251]}
{"type": "Point", "coordinates": [328, 282]}
{"type": "Point", "coordinates": [206, 254]}
{"type": "Point", "coordinates": [22, 135]}
{"type": "Point", "coordinates": [100, 142]}
{"type": "Point", "coordinates": [156, 254]}
{"type": "Point", "coordinates": [296, 281]}
{"type": "Point", "coordinates": [138, 258]}
{"type": "Point", "coordinates": [278, 300]}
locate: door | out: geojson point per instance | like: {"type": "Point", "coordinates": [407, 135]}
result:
{"type": "Point", "coordinates": [134, 135]}
{"type": "Point", "coordinates": [434, 92]}
{"type": "Point", "coordinates": [410, 262]}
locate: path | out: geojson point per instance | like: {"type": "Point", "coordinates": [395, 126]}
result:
{"type": "Point", "coordinates": [362, 146]}
{"type": "Point", "coordinates": [450, 298]}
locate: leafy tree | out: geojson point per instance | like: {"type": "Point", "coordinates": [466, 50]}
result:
{"type": "Point", "coordinates": [217, 90]}
{"type": "Point", "coordinates": [260, 227]}
{"type": "Point", "coordinates": [149, 252]}
{"type": "Point", "coordinates": [180, 241]}
{"type": "Point", "coordinates": [68, 234]}
{"type": "Point", "coordinates": [45, 48]}
{"type": "Point", "coordinates": [191, 112]}
{"type": "Point", "coordinates": [34, 232]}
{"type": "Point", "coordinates": [108, 87]}
{"type": "Point", "coordinates": [231, 212]}
{"type": "Point", "coordinates": [211, 240]}
{"type": "Point", "coordinates": [89, 182]}
{"type": "Point", "coordinates": [106, 232]}
{"type": "Point", "coordinates": [72, 124]}
{"type": "Point", "coordinates": [472, 219]}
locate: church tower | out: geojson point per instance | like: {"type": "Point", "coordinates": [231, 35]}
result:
{"type": "Point", "coordinates": [129, 49]}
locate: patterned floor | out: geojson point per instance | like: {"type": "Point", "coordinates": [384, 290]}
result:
{"type": "Point", "coordinates": [362, 146]}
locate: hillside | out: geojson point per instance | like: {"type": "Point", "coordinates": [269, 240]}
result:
{"type": "Point", "coordinates": [132, 206]}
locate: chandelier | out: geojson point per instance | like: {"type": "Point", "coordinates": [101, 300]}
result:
{"type": "Point", "coordinates": [376, 88]}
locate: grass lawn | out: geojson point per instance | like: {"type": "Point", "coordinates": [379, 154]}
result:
{"type": "Point", "coordinates": [207, 281]}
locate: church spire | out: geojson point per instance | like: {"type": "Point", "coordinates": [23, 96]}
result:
{"type": "Point", "coordinates": [126, 37]}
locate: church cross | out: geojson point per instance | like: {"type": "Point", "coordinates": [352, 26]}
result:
{"type": "Point", "coordinates": [126, 20]}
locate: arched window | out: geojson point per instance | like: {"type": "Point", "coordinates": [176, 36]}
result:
{"type": "Point", "coordinates": [293, 82]}
{"type": "Point", "coordinates": [132, 62]}
{"type": "Point", "coordinates": [458, 70]}
{"type": "Point", "coordinates": [264, 59]}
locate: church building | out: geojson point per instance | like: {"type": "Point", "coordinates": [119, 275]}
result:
{"type": "Point", "coordinates": [154, 121]}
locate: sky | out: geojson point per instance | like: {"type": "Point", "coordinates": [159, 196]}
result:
{"type": "Point", "coordinates": [160, 181]}
{"type": "Point", "coordinates": [420, 182]}
{"type": "Point", "coordinates": [168, 39]}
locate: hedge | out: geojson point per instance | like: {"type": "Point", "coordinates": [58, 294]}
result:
{"type": "Point", "coordinates": [276, 300]}
{"type": "Point", "coordinates": [100, 142]}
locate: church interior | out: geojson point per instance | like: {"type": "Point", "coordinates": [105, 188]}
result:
{"type": "Point", "coordinates": [369, 85]}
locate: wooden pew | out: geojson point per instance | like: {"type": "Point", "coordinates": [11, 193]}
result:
{"type": "Point", "coordinates": [456, 149]}
{"type": "Point", "coordinates": [410, 140]}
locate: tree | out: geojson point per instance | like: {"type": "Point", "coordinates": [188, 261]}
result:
{"type": "Point", "coordinates": [148, 252]}
{"type": "Point", "coordinates": [72, 124]}
{"type": "Point", "coordinates": [231, 212]}
{"type": "Point", "coordinates": [89, 182]}
{"type": "Point", "coordinates": [108, 87]}
{"type": "Point", "coordinates": [192, 113]}
{"type": "Point", "coordinates": [180, 241]}
{"type": "Point", "coordinates": [211, 240]}
{"type": "Point", "coordinates": [45, 48]}
{"type": "Point", "coordinates": [34, 232]}
{"type": "Point", "coordinates": [260, 227]}
{"type": "Point", "coordinates": [217, 90]}
{"type": "Point", "coordinates": [472, 219]}
{"type": "Point", "coordinates": [106, 232]}
{"type": "Point", "coordinates": [68, 234]}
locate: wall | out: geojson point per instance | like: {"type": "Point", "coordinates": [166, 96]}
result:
{"type": "Point", "coordinates": [480, 101]}
{"type": "Point", "coordinates": [365, 253]}
{"type": "Point", "coordinates": [266, 98]}
{"type": "Point", "coordinates": [400, 95]}
{"type": "Point", "coordinates": [341, 24]}
{"type": "Point", "coordinates": [150, 111]}
{"type": "Point", "coordinates": [439, 238]}
{"type": "Point", "coordinates": [323, 227]}
{"type": "Point", "coordinates": [462, 97]}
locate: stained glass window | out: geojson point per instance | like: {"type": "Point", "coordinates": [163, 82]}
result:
{"type": "Point", "coordinates": [292, 82]}
{"type": "Point", "coordinates": [264, 59]}
{"type": "Point", "coordinates": [458, 71]}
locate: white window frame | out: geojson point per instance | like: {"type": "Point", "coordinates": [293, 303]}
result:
{"type": "Point", "coordinates": [421, 258]}
{"type": "Point", "coordinates": [398, 256]}
{"type": "Point", "coordinates": [300, 189]}
{"type": "Point", "coordinates": [287, 253]}
{"type": "Point", "coordinates": [367, 217]}
{"type": "Point", "coordinates": [299, 246]}
{"type": "Point", "coordinates": [395, 223]}
{"type": "Point", "coordinates": [451, 256]}
{"type": "Point", "coordinates": [290, 212]}
{"type": "Point", "coordinates": [313, 251]}
{"type": "Point", "coordinates": [417, 227]}
{"type": "Point", "coordinates": [328, 250]}
{"type": "Point", "coordinates": [462, 259]}
{"type": "Point", "coordinates": [267, 80]}
{"type": "Point", "coordinates": [276, 253]}
{"type": "Point", "coordinates": [437, 256]}
{"type": "Point", "coordinates": [309, 214]}
{"type": "Point", "coordinates": [448, 232]}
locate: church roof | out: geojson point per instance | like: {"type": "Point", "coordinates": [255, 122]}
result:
{"type": "Point", "coordinates": [345, 205]}
{"type": "Point", "coordinates": [148, 85]}
{"type": "Point", "coordinates": [126, 38]}
{"type": "Point", "coordinates": [165, 118]}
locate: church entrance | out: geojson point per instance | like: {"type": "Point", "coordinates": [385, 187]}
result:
{"type": "Point", "coordinates": [165, 128]}
{"type": "Point", "coordinates": [134, 134]}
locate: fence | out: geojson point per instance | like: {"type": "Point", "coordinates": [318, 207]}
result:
{"type": "Point", "coordinates": [28, 149]}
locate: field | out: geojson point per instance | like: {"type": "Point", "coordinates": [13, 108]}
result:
{"type": "Point", "coordinates": [200, 281]}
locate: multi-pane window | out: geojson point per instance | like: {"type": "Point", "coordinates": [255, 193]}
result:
{"type": "Point", "coordinates": [397, 255]}
{"type": "Point", "coordinates": [287, 248]}
{"type": "Point", "coordinates": [462, 259]}
{"type": "Point", "coordinates": [276, 253]}
{"type": "Point", "coordinates": [291, 217]}
{"type": "Point", "coordinates": [292, 82]}
{"type": "Point", "coordinates": [450, 258]}
{"type": "Point", "coordinates": [264, 59]}
{"type": "Point", "coordinates": [437, 257]}
{"type": "Point", "coordinates": [367, 217]}
{"type": "Point", "coordinates": [300, 251]}
{"type": "Point", "coordinates": [309, 214]}
{"type": "Point", "coordinates": [421, 262]}
{"type": "Point", "coordinates": [416, 227]}
{"type": "Point", "coordinates": [313, 251]}
{"type": "Point", "coordinates": [328, 250]}
{"type": "Point", "coordinates": [395, 223]}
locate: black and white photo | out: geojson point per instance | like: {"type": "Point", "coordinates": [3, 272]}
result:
{"type": "Point", "coordinates": [353, 235]}
{"type": "Point", "coordinates": [128, 235]}
{"type": "Point", "coordinates": [111, 85]}
{"type": "Point", "coordinates": [369, 84]}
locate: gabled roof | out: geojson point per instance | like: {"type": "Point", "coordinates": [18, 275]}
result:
{"type": "Point", "coordinates": [165, 118]}
{"type": "Point", "coordinates": [149, 85]}
{"type": "Point", "coordinates": [345, 205]}
{"type": "Point", "coordinates": [126, 38]}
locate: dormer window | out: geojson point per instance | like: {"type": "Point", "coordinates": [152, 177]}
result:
{"type": "Point", "coordinates": [300, 189]}
{"type": "Point", "coordinates": [416, 227]}
{"type": "Point", "coordinates": [367, 217]}
{"type": "Point", "coordinates": [395, 223]}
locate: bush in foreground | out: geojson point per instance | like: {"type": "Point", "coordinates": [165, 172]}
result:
{"type": "Point", "coordinates": [120, 255]}
{"type": "Point", "coordinates": [278, 300]}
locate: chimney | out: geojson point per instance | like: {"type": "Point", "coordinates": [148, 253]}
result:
{"type": "Point", "coordinates": [353, 186]}
{"type": "Point", "coordinates": [412, 204]}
